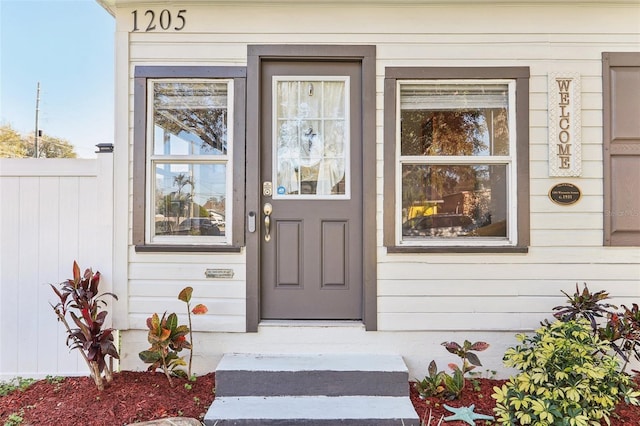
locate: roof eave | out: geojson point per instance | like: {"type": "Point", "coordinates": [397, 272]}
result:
{"type": "Point", "coordinates": [109, 6]}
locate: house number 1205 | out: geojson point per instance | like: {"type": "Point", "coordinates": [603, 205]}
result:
{"type": "Point", "coordinates": [163, 20]}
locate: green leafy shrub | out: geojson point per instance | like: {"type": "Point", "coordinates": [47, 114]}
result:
{"type": "Point", "coordinates": [450, 386]}
{"type": "Point", "coordinates": [477, 375]}
{"type": "Point", "coordinates": [567, 378]}
{"type": "Point", "coordinates": [433, 383]}
{"type": "Point", "coordinates": [167, 338]}
{"type": "Point", "coordinates": [15, 419]}
{"type": "Point", "coordinates": [80, 298]}
{"type": "Point", "coordinates": [454, 383]}
{"type": "Point", "coordinates": [17, 383]}
{"type": "Point", "coordinates": [620, 328]}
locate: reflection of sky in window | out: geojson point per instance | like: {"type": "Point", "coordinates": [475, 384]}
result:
{"type": "Point", "coordinates": [484, 137]}
{"type": "Point", "coordinates": [209, 179]}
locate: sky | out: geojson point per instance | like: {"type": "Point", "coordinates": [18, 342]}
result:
{"type": "Point", "coordinates": [67, 46]}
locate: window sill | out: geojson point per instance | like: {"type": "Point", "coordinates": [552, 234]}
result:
{"type": "Point", "coordinates": [177, 248]}
{"type": "Point", "coordinates": [457, 249]}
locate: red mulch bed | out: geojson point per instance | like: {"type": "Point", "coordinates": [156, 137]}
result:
{"type": "Point", "coordinates": [131, 397]}
{"type": "Point", "coordinates": [482, 399]}
{"type": "Point", "coordinates": [140, 396]}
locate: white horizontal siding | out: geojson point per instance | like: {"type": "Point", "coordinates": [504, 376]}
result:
{"type": "Point", "coordinates": [497, 291]}
{"type": "Point", "coordinates": [428, 271]}
{"type": "Point", "coordinates": [172, 270]}
{"type": "Point", "coordinates": [396, 19]}
{"type": "Point", "coordinates": [587, 202]}
{"type": "Point", "coordinates": [463, 303]}
{"type": "Point", "coordinates": [509, 289]}
{"type": "Point", "coordinates": [478, 303]}
{"type": "Point", "coordinates": [201, 290]}
{"type": "Point", "coordinates": [464, 313]}
{"type": "Point", "coordinates": [591, 186]}
{"type": "Point", "coordinates": [559, 221]}
{"type": "Point", "coordinates": [556, 256]}
{"type": "Point", "coordinates": [218, 306]}
{"type": "Point", "coordinates": [590, 150]}
{"type": "Point", "coordinates": [156, 280]}
{"type": "Point", "coordinates": [570, 238]}
{"type": "Point", "coordinates": [209, 322]}
{"type": "Point", "coordinates": [441, 321]}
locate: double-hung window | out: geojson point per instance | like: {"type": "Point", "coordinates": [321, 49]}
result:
{"type": "Point", "coordinates": [457, 150]}
{"type": "Point", "coordinates": [186, 148]}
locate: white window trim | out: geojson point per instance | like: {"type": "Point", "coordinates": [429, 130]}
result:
{"type": "Point", "coordinates": [510, 161]}
{"type": "Point", "coordinates": [152, 159]}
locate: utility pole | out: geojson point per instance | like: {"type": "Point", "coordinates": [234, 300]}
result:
{"type": "Point", "coordinates": [35, 135]}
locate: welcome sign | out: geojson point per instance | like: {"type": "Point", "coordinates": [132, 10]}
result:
{"type": "Point", "coordinates": [565, 148]}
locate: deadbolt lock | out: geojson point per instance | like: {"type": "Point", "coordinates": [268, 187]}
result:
{"type": "Point", "coordinates": [267, 189]}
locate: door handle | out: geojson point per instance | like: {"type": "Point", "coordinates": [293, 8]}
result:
{"type": "Point", "coordinates": [267, 209]}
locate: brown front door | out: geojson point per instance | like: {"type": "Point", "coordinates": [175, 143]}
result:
{"type": "Point", "coordinates": [311, 176]}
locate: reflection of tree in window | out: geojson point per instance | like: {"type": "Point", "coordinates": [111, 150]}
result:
{"type": "Point", "coordinates": [176, 203]}
{"type": "Point", "coordinates": [446, 133]}
{"type": "Point", "coordinates": [474, 191]}
{"type": "Point", "coordinates": [184, 109]}
{"type": "Point", "coordinates": [423, 183]}
{"type": "Point", "coordinates": [216, 204]}
{"type": "Point", "coordinates": [455, 132]}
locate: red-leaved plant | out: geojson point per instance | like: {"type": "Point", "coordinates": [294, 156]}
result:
{"type": "Point", "coordinates": [167, 338]}
{"type": "Point", "coordinates": [199, 309]}
{"type": "Point", "coordinates": [80, 299]}
{"type": "Point", "coordinates": [620, 328]}
{"type": "Point", "coordinates": [450, 386]}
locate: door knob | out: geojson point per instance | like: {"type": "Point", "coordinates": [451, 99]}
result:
{"type": "Point", "coordinates": [267, 209]}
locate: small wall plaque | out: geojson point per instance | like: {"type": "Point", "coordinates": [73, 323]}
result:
{"type": "Point", "coordinates": [565, 194]}
{"type": "Point", "coordinates": [218, 273]}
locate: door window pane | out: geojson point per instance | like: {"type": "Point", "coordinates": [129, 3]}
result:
{"type": "Point", "coordinates": [310, 138]}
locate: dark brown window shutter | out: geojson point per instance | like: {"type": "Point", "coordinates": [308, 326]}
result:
{"type": "Point", "coordinates": [621, 107]}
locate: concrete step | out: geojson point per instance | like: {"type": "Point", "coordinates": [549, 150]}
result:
{"type": "Point", "coordinates": [312, 390]}
{"type": "Point", "coordinates": [312, 411]}
{"type": "Point", "coordinates": [321, 374]}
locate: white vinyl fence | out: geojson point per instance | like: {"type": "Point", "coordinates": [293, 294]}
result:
{"type": "Point", "coordinates": [52, 212]}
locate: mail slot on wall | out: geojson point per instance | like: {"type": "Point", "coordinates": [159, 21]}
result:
{"type": "Point", "coordinates": [218, 273]}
